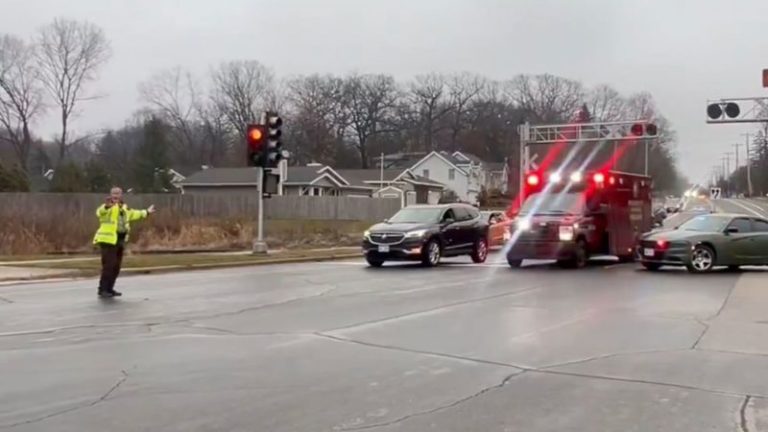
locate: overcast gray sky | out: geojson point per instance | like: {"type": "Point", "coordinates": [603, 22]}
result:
{"type": "Point", "coordinates": [682, 51]}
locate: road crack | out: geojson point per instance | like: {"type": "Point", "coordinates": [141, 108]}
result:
{"type": "Point", "coordinates": [6, 300]}
{"type": "Point", "coordinates": [453, 404]}
{"type": "Point", "coordinates": [743, 421]}
{"type": "Point", "coordinates": [101, 398]}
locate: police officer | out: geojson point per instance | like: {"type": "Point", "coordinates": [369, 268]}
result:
{"type": "Point", "coordinates": [114, 226]}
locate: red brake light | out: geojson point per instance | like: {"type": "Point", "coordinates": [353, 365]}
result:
{"type": "Point", "coordinates": [532, 180]}
{"type": "Point", "coordinates": [662, 244]}
{"type": "Point", "coordinates": [612, 180]}
{"type": "Point", "coordinates": [598, 177]}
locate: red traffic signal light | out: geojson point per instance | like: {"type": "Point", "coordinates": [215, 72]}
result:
{"type": "Point", "coordinates": [255, 138]}
{"type": "Point", "coordinates": [643, 129]}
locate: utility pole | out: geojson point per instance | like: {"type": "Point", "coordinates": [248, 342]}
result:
{"type": "Point", "coordinates": [749, 164]}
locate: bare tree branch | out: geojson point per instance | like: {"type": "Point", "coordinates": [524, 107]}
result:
{"type": "Point", "coordinates": [241, 90]}
{"type": "Point", "coordinates": [428, 97]}
{"type": "Point", "coordinates": [69, 53]}
{"type": "Point", "coordinates": [370, 100]}
{"type": "Point", "coordinates": [20, 94]}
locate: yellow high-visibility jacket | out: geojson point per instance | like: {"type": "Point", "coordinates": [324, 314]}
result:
{"type": "Point", "coordinates": [108, 219]}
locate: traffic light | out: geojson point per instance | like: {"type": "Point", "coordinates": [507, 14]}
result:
{"type": "Point", "coordinates": [647, 130]}
{"type": "Point", "coordinates": [274, 151]}
{"type": "Point", "coordinates": [256, 139]}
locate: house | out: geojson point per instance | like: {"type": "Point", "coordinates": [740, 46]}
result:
{"type": "Point", "coordinates": [461, 172]}
{"type": "Point", "coordinates": [321, 180]}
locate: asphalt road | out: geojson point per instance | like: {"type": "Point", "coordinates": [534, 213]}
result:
{"type": "Point", "coordinates": [340, 347]}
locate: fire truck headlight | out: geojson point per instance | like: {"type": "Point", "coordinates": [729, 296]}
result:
{"type": "Point", "coordinates": [576, 177]}
{"type": "Point", "coordinates": [555, 177]}
{"type": "Point", "coordinates": [566, 233]}
{"type": "Point", "coordinates": [523, 224]}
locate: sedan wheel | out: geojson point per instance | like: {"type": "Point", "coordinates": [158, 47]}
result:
{"type": "Point", "coordinates": [432, 254]}
{"type": "Point", "coordinates": [702, 259]}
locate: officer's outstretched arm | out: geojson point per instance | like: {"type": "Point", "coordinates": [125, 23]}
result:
{"type": "Point", "coordinates": [135, 215]}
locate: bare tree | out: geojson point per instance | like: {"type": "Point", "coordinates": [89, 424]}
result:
{"type": "Point", "coordinates": [551, 99]}
{"type": "Point", "coordinates": [69, 54]}
{"type": "Point", "coordinates": [175, 96]}
{"type": "Point", "coordinates": [369, 100]}
{"type": "Point", "coordinates": [317, 121]}
{"type": "Point", "coordinates": [606, 104]}
{"type": "Point", "coordinates": [462, 90]}
{"type": "Point", "coordinates": [241, 89]}
{"type": "Point", "coordinates": [20, 95]}
{"type": "Point", "coordinates": [429, 100]}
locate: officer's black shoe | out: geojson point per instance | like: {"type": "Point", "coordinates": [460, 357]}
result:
{"type": "Point", "coordinates": [106, 294]}
{"type": "Point", "coordinates": [115, 293]}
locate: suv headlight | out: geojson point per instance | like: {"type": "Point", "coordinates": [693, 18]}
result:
{"type": "Point", "coordinates": [366, 234]}
{"type": "Point", "coordinates": [415, 234]}
{"type": "Point", "coordinates": [566, 233]}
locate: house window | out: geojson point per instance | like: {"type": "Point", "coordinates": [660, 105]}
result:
{"type": "Point", "coordinates": [451, 174]}
{"type": "Point", "coordinates": [425, 173]}
{"type": "Point", "coordinates": [317, 191]}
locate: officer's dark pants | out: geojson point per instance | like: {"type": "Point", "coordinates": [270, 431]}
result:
{"type": "Point", "coordinates": [111, 260]}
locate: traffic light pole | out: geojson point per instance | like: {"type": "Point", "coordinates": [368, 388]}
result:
{"type": "Point", "coordinates": [259, 245]}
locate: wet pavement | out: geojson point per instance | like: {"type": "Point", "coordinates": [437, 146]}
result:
{"type": "Point", "coordinates": [338, 346]}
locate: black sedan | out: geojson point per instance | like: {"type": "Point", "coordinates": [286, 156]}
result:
{"type": "Point", "coordinates": [427, 233]}
{"type": "Point", "coordinates": [707, 241]}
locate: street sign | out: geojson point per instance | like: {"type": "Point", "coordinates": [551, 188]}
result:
{"type": "Point", "coordinates": [714, 193]}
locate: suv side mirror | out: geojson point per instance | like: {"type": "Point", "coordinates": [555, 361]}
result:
{"type": "Point", "coordinates": [731, 230]}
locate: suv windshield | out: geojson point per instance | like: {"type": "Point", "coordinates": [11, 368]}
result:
{"type": "Point", "coordinates": [554, 203]}
{"type": "Point", "coordinates": [705, 224]}
{"type": "Point", "coordinates": [417, 215]}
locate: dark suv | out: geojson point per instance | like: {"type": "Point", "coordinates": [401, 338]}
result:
{"type": "Point", "coordinates": [427, 233]}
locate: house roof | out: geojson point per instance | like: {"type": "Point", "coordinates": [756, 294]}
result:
{"type": "Point", "coordinates": [303, 174]}
{"type": "Point", "coordinates": [446, 157]}
{"type": "Point", "coordinates": [461, 156]}
{"type": "Point", "coordinates": [360, 176]}
{"type": "Point", "coordinates": [223, 176]}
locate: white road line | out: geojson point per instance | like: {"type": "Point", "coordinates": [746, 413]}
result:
{"type": "Point", "coordinates": [749, 209]}
{"type": "Point", "coordinates": [752, 205]}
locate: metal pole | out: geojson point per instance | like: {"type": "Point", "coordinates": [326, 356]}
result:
{"type": "Point", "coordinates": [646, 156]}
{"type": "Point", "coordinates": [523, 133]}
{"type": "Point", "coordinates": [749, 165]}
{"type": "Point", "coordinates": [260, 246]}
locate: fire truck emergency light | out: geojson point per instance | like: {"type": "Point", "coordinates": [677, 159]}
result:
{"type": "Point", "coordinates": [532, 180]}
{"type": "Point", "coordinates": [555, 177]}
{"type": "Point", "coordinates": [576, 177]}
{"type": "Point", "coordinates": [598, 178]}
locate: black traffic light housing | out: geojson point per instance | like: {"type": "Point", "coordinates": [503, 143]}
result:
{"type": "Point", "coordinates": [716, 111]}
{"type": "Point", "coordinates": [274, 149]}
{"type": "Point", "coordinates": [256, 142]}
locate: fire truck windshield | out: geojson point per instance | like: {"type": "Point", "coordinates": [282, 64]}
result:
{"type": "Point", "coordinates": [554, 204]}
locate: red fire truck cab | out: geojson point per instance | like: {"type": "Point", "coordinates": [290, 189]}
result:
{"type": "Point", "coordinates": [569, 217]}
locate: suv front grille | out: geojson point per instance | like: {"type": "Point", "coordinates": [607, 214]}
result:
{"type": "Point", "coordinates": [386, 238]}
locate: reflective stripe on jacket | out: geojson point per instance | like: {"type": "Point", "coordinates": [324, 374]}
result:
{"type": "Point", "coordinates": [107, 232]}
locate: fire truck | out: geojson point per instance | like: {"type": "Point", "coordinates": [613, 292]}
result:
{"type": "Point", "coordinates": [572, 216]}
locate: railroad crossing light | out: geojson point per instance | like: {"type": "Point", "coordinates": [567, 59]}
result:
{"type": "Point", "coordinates": [643, 130]}
{"type": "Point", "coordinates": [255, 141]}
{"type": "Point", "coordinates": [715, 111]}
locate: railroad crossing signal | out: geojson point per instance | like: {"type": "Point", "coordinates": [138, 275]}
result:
{"type": "Point", "coordinates": [738, 110]}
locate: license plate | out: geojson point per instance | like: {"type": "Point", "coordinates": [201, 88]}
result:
{"type": "Point", "coordinates": [649, 252]}
{"type": "Point", "coordinates": [383, 248]}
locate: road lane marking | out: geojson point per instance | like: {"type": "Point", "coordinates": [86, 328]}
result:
{"type": "Point", "coordinates": [751, 210]}
{"type": "Point", "coordinates": [752, 205]}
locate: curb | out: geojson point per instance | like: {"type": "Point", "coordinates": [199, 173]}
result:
{"type": "Point", "coordinates": [82, 274]}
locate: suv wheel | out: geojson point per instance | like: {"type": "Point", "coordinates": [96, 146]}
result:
{"type": "Point", "coordinates": [480, 251]}
{"type": "Point", "coordinates": [432, 254]}
{"type": "Point", "coordinates": [702, 259]}
{"type": "Point", "coordinates": [514, 263]}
